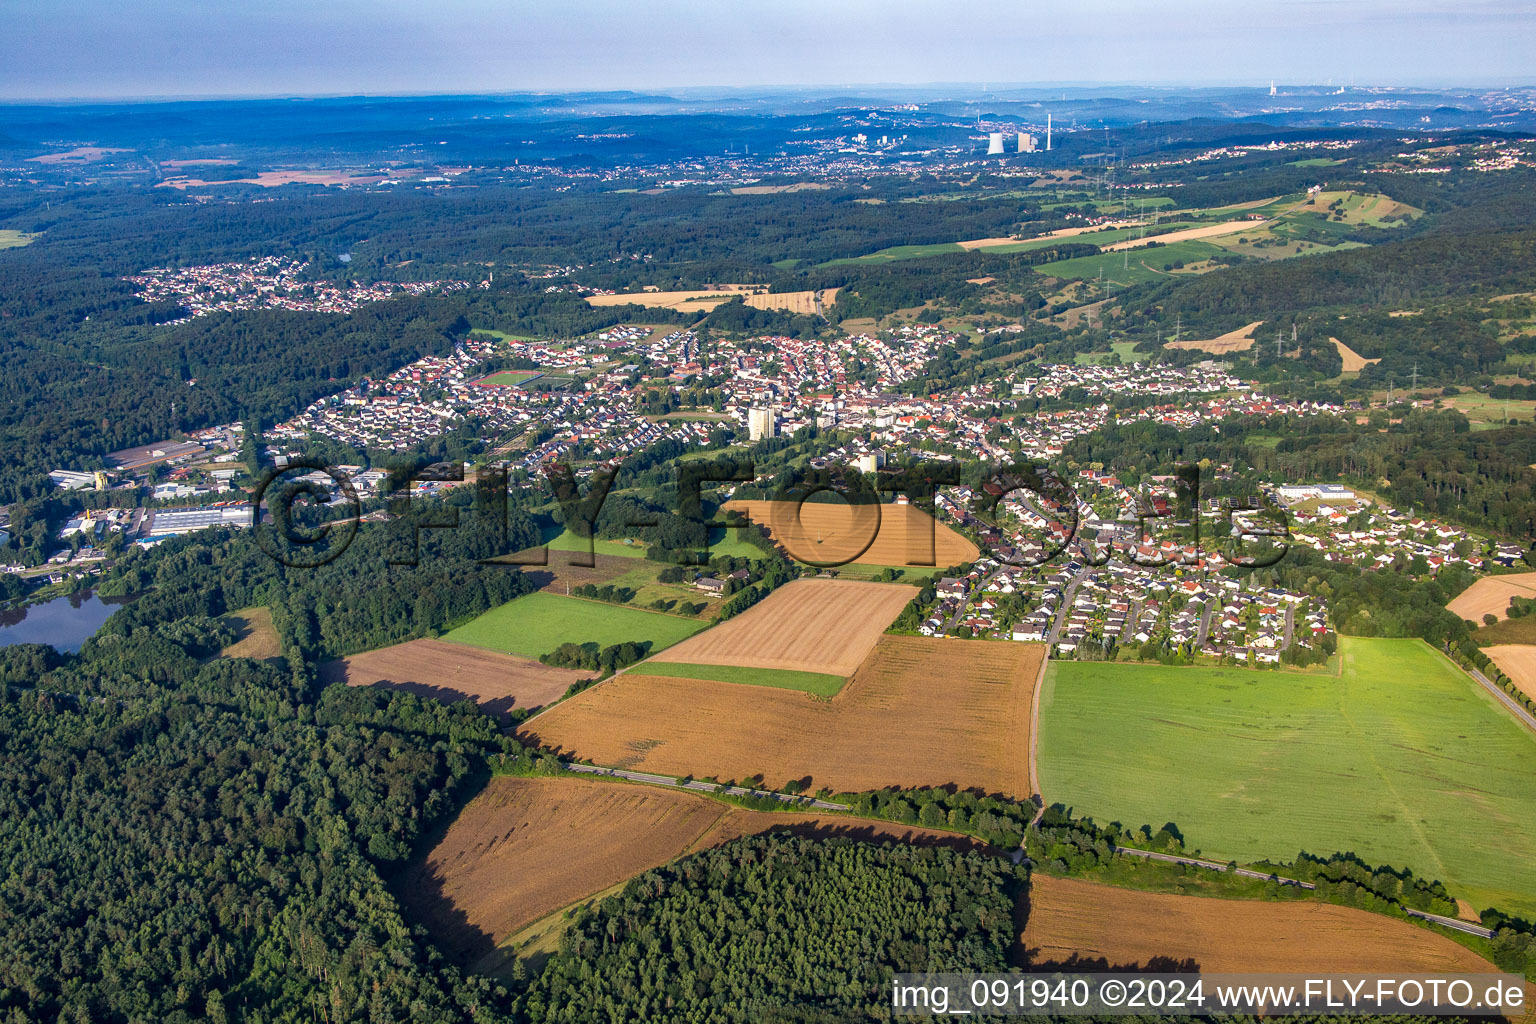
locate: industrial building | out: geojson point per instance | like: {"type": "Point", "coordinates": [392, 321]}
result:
{"type": "Point", "coordinates": [173, 522]}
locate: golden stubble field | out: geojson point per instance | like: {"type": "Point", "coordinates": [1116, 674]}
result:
{"type": "Point", "coordinates": [825, 533]}
{"type": "Point", "coordinates": [453, 672]}
{"type": "Point", "coordinates": [1240, 340]}
{"type": "Point", "coordinates": [1070, 917]}
{"type": "Point", "coordinates": [1491, 595]}
{"type": "Point", "coordinates": [1518, 661]}
{"type": "Point", "coordinates": [805, 626]}
{"type": "Point", "coordinates": [525, 848]}
{"type": "Point", "coordinates": [919, 711]}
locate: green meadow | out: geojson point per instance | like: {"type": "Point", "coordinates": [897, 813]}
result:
{"type": "Point", "coordinates": [819, 683]}
{"type": "Point", "coordinates": [1401, 759]}
{"type": "Point", "coordinates": [538, 623]}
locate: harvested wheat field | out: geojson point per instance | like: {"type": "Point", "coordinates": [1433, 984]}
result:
{"type": "Point", "coordinates": [805, 626]}
{"type": "Point", "coordinates": [920, 711]}
{"type": "Point", "coordinates": [1240, 340]}
{"type": "Point", "coordinates": [1230, 227]}
{"type": "Point", "coordinates": [694, 300]}
{"type": "Point", "coordinates": [1491, 595]}
{"type": "Point", "coordinates": [829, 534]}
{"type": "Point", "coordinates": [1069, 917]}
{"type": "Point", "coordinates": [1354, 362]}
{"type": "Point", "coordinates": [525, 848]}
{"type": "Point", "coordinates": [256, 637]}
{"type": "Point", "coordinates": [454, 672]}
{"type": "Point", "coordinates": [1518, 661]}
{"type": "Point", "coordinates": [808, 302]}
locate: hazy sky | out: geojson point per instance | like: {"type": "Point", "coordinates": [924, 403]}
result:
{"type": "Point", "coordinates": [129, 48]}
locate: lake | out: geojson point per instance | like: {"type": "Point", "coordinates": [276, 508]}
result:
{"type": "Point", "coordinates": [65, 622]}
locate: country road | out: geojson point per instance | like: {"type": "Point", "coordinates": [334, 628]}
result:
{"type": "Point", "coordinates": [1447, 922]}
{"type": "Point", "coordinates": [1521, 715]}
{"type": "Point", "coordinates": [704, 787]}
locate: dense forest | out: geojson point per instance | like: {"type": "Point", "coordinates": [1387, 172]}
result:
{"type": "Point", "coordinates": [778, 928]}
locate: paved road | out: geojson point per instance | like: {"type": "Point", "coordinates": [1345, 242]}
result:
{"type": "Point", "coordinates": [1290, 626]}
{"type": "Point", "coordinates": [1067, 597]}
{"type": "Point", "coordinates": [1205, 622]}
{"type": "Point", "coordinates": [1521, 715]}
{"type": "Point", "coordinates": [1448, 922]}
{"type": "Point", "coordinates": [704, 787]}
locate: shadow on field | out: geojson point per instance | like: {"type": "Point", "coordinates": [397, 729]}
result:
{"type": "Point", "coordinates": [911, 836]}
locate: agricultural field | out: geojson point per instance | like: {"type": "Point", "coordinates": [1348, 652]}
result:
{"type": "Point", "coordinates": [819, 684]}
{"type": "Point", "coordinates": [565, 540]}
{"type": "Point", "coordinates": [1401, 759]}
{"type": "Point", "coordinates": [807, 302]}
{"type": "Point", "coordinates": [1485, 413]}
{"type": "Point", "coordinates": [825, 626]}
{"type": "Point", "coordinates": [1491, 595]}
{"type": "Point", "coordinates": [919, 711]}
{"type": "Point", "coordinates": [526, 848]}
{"type": "Point", "coordinates": [538, 623]}
{"type": "Point", "coordinates": [1070, 917]}
{"type": "Point", "coordinates": [1354, 362]}
{"type": "Point", "coordinates": [1240, 340]}
{"type": "Point", "coordinates": [449, 672]}
{"type": "Point", "coordinates": [1137, 266]}
{"type": "Point", "coordinates": [10, 239]}
{"type": "Point", "coordinates": [839, 533]}
{"type": "Point", "coordinates": [1126, 350]}
{"type": "Point", "coordinates": [1518, 661]}
{"type": "Point", "coordinates": [696, 300]}
{"type": "Point", "coordinates": [256, 637]}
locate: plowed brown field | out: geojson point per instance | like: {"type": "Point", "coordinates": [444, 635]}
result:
{"type": "Point", "coordinates": [1070, 917]}
{"type": "Point", "coordinates": [454, 672]}
{"type": "Point", "coordinates": [805, 626]}
{"type": "Point", "coordinates": [525, 848]}
{"type": "Point", "coordinates": [1491, 594]}
{"type": "Point", "coordinates": [826, 534]}
{"type": "Point", "coordinates": [920, 711]}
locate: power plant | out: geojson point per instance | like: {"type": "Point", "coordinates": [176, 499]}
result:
{"type": "Point", "coordinates": [995, 144]}
{"type": "Point", "coordinates": [1027, 142]}
{"type": "Point", "coordinates": [1047, 132]}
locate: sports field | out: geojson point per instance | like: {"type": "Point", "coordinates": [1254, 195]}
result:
{"type": "Point", "coordinates": [538, 623]}
{"type": "Point", "coordinates": [508, 378]}
{"type": "Point", "coordinates": [1401, 758]}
